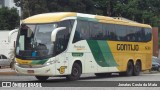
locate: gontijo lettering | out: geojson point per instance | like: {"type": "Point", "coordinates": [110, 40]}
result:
{"type": "Point", "coordinates": [127, 47]}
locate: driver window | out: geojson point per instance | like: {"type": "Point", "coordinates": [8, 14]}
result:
{"type": "Point", "coordinates": [62, 37]}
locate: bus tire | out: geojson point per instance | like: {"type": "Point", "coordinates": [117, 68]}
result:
{"type": "Point", "coordinates": [137, 68]}
{"type": "Point", "coordinates": [42, 78]}
{"type": "Point", "coordinates": [76, 72]}
{"type": "Point", "coordinates": [102, 74]}
{"type": "Point", "coordinates": [130, 68]}
{"type": "Point", "coordinates": [129, 71]}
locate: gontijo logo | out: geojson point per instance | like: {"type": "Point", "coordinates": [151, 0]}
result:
{"type": "Point", "coordinates": [127, 47]}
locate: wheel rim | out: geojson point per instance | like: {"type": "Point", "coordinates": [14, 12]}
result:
{"type": "Point", "coordinates": [75, 71]}
{"type": "Point", "coordinates": [130, 68]}
{"type": "Point", "coordinates": [137, 67]}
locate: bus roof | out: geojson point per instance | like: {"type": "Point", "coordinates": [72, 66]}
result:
{"type": "Point", "coordinates": [59, 16]}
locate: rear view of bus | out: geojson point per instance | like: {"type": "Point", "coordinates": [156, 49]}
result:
{"type": "Point", "coordinates": [69, 44]}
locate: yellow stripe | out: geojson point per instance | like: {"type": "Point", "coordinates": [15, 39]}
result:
{"type": "Point", "coordinates": [20, 61]}
{"type": "Point", "coordinates": [48, 17]}
{"type": "Point", "coordinates": [105, 19]}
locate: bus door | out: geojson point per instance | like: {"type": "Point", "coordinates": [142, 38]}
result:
{"type": "Point", "coordinates": [61, 64]}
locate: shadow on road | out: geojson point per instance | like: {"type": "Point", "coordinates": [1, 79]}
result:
{"type": "Point", "coordinates": [63, 79]}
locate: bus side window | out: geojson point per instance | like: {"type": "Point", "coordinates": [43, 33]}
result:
{"type": "Point", "coordinates": [96, 31]}
{"type": "Point", "coordinates": [82, 31]}
{"type": "Point", "coordinates": [120, 32]}
{"type": "Point", "coordinates": [147, 34]}
{"type": "Point", "coordinates": [62, 37]}
{"type": "Point", "coordinates": [109, 32]}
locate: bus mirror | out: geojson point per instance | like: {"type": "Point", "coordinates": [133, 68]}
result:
{"type": "Point", "coordinates": [54, 33]}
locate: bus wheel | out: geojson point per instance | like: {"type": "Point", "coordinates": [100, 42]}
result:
{"type": "Point", "coordinates": [76, 72]}
{"type": "Point", "coordinates": [137, 69]}
{"type": "Point", "coordinates": [130, 69]}
{"type": "Point", "coordinates": [102, 74]}
{"type": "Point", "coordinates": [42, 78]}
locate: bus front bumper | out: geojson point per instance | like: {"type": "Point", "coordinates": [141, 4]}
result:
{"type": "Point", "coordinates": [43, 71]}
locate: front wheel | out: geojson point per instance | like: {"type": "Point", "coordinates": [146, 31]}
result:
{"type": "Point", "coordinates": [42, 78]}
{"type": "Point", "coordinates": [76, 72]}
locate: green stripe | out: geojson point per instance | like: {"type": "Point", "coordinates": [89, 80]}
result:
{"type": "Point", "coordinates": [102, 53]}
{"type": "Point", "coordinates": [77, 54]}
{"type": "Point", "coordinates": [107, 53]}
{"type": "Point", "coordinates": [41, 62]}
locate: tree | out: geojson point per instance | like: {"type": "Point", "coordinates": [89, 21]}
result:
{"type": "Point", "coordinates": [81, 6]}
{"type": "Point", "coordinates": [9, 18]}
{"type": "Point", "coordinates": [31, 7]}
{"type": "Point", "coordinates": [143, 11]}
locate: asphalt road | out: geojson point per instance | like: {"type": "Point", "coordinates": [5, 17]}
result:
{"type": "Point", "coordinates": [153, 76]}
{"type": "Point", "coordinates": [86, 82]}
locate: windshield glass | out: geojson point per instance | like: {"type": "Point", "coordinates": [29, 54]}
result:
{"type": "Point", "coordinates": [34, 41]}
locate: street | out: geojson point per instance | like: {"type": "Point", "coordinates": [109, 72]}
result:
{"type": "Point", "coordinates": [10, 75]}
{"type": "Point", "coordinates": [86, 82]}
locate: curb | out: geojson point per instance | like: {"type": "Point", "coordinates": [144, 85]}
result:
{"type": "Point", "coordinates": [8, 73]}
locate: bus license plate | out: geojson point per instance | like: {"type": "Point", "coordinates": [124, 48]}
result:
{"type": "Point", "coordinates": [30, 71]}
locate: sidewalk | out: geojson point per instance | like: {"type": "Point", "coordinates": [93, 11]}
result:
{"type": "Point", "coordinates": [7, 71]}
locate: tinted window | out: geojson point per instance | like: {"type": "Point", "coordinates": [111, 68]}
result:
{"type": "Point", "coordinates": [120, 32]}
{"type": "Point", "coordinates": [109, 32]}
{"type": "Point", "coordinates": [63, 36]}
{"type": "Point", "coordinates": [82, 31]}
{"type": "Point", "coordinates": [96, 30]}
{"type": "Point", "coordinates": [130, 33]}
{"type": "Point", "coordinates": [148, 34]}
{"type": "Point", "coordinates": [114, 32]}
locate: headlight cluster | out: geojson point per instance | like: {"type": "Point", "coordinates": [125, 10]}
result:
{"type": "Point", "coordinates": [49, 62]}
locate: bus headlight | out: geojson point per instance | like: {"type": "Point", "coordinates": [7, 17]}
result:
{"type": "Point", "coordinates": [16, 63]}
{"type": "Point", "coordinates": [49, 62]}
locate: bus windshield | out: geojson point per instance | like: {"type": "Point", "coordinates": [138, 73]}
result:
{"type": "Point", "coordinates": [34, 40]}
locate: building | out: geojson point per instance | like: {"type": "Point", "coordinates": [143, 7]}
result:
{"type": "Point", "coordinates": [155, 41]}
{"type": "Point", "coordinates": [1, 3]}
{"type": "Point", "coordinates": [9, 4]}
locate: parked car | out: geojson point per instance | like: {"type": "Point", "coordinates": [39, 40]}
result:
{"type": "Point", "coordinates": [155, 64]}
{"type": "Point", "coordinates": [4, 61]}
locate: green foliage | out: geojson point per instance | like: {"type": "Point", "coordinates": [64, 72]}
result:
{"type": "Point", "coordinates": [83, 6]}
{"type": "Point", "coordinates": [9, 18]}
{"type": "Point", "coordinates": [143, 11]}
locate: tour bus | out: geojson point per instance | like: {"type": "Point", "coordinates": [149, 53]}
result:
{"type": "Point", "coordinates": [70, 44]}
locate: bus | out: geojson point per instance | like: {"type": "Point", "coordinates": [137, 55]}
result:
{"type": "Point", "coordinates": [70, 44]}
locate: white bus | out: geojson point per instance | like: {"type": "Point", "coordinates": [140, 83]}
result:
{"type": "Point", "coordinates": [69, 44]}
